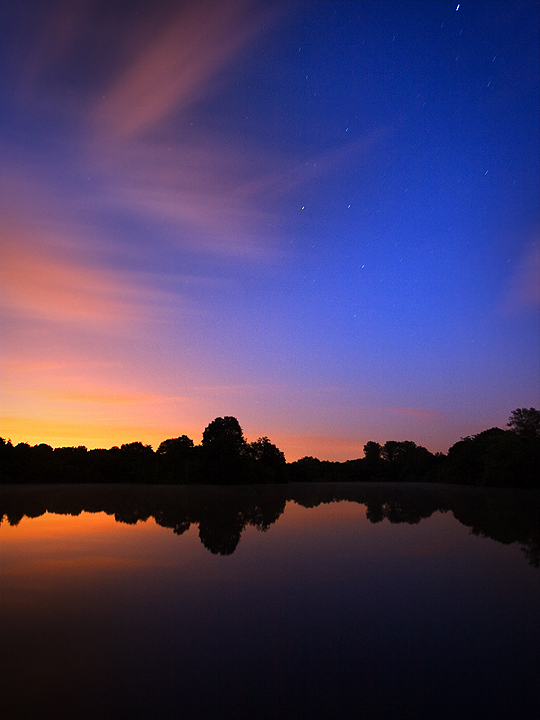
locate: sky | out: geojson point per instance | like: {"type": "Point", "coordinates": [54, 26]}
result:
{"type": "Point", "coordinates": [321, 218]}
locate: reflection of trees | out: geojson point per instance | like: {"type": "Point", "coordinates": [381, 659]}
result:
{"type": "Point", "coordinates": [222, 521]}
{"type": "Point", "coordinates": [532, 553]}
{"type": "Point", "coordinates": [220, 531]}
{"type": "Point", "coordinates": [130, 516]}
{"type": "Point", "coordinates": [222, 513]}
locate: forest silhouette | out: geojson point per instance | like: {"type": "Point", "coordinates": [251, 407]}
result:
{"type": "Point", "coordinates": [492, 458]}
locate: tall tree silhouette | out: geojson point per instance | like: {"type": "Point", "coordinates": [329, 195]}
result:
{"type": "Point", "coordinates": [224, 451]}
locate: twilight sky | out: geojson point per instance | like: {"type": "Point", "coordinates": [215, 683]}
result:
{"type": "Point", "coordinates": [319, 217]}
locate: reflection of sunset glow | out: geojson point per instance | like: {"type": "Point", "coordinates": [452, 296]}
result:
{"type": "Point", "coordinates": [346, 523]}
{"type": "Point", "coordinates": [57, 546]}
{"type": "Point", "coordinates": [135, 620]}
{"type": "Point", "coordinates": [51, 524]}
{"type": "Point", "coordinates": [52, 547]}
{"type": "Point", "coordinates": [336, 512]}
{"type": "Point", "coordinates": [68, 530]}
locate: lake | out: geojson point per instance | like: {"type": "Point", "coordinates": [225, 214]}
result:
{"type": "Point", "coordinates": [320, 600]}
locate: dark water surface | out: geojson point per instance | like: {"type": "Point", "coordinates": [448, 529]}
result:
{"type": "Point", "coordinates": [294, 601]}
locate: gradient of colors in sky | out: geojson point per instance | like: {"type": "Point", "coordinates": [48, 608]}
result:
{"type": "Point", "coordinates": [319, 217]}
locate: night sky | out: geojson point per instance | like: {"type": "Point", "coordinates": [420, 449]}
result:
{"type": "Point", "coordinates": [319, 217]}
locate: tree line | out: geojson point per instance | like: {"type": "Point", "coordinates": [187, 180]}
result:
{"type": "Point", "coordinates": [494, 458]}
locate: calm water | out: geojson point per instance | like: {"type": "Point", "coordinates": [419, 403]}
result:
{"type": "Point", "coordinates": [297, 601]}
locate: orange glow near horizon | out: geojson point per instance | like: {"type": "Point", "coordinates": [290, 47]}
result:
{"type": "Point", "coordinates": [70, 434]}
{"type": "Point", "coordinates": [175, 248]}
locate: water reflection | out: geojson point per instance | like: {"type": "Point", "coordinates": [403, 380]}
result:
{"type": "Point", "coordinates": [380, 607]}
{"type": "Point", "coordinates": [223, 513]}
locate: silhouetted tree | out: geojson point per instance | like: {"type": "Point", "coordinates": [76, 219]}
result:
{"type": "Point", "coordinates": [392, 450]}
{"type": "Point", "coordinates": [372, 466]}
{"type": "Point", "coordinates": [464, 462]}
{"type": "Point", "coordinates": [224, 434]}
{"type": "Point", "coordinates": [306, 469]}
{"type": "Point", "coordinates": [504, 458]}
{"type": "Point", "coordinates": [406, 460]}
{"type": "Point", "coordinates": [224, 449]}
{"type": "Point", "coordinates": [270, 460]}
{"type": "Point", "coordinates": [493, 457]}
{"type": "Point", "coordinates": [525, 423]}
{"type": "Point", "coordinates": [173, 447]}
{"type": "Point", "coordinates": [32, 464]}
{"type": "Point", "coordinates": [71, 465]}
{"type": "Point", "coordinates": [137, 462]}
{"type": "Point", "coordinates": [372, 451]}
{"type": "Point", "coordinates": [7, 458]}
{"type": "Point", "coordinates": [105, 465]}
{"type": "Point", "coordinates": [176, 457]}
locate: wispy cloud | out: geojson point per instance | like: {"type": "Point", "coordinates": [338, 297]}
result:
{"type": "Point", "coordinates": [206, 191]}
{"type": "Point", "coordinates": [216, 192]}
{"type": "Point", "coordinates": [50, 268]}
{"type": "Point", "coordinates": [195, 189]}
{"type": "Point", "coordinates": [175, 65]}
{"type": "Point", "coordinates": [36, 284]}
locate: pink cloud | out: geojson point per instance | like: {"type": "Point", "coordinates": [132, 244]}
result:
{"type": "Point", "coordinates": [216, 190]}
{"type": "Point", "coordinates": [37, 284]}
{"type": "Point", "coordinates": [198, 188]}
{"type": "Point", "coordinates": [50, 267]}
{"type": "Point", "coordinates": [218, 193]}
{"type": "Point", "coordinates": [175, 65]}
{"type": "Point", "coordinates": [102, 395]}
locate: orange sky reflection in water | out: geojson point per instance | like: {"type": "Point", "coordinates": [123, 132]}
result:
{"type": "Point", "coordinates": [62, 546]}
{"type": "Point", "coordinates": [86, 544]}
{"type": "Point", "coordinates": [97, 609]}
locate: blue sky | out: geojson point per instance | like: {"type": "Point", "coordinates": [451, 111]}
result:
{"type": "Point", "coordinates": [319, 217]}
